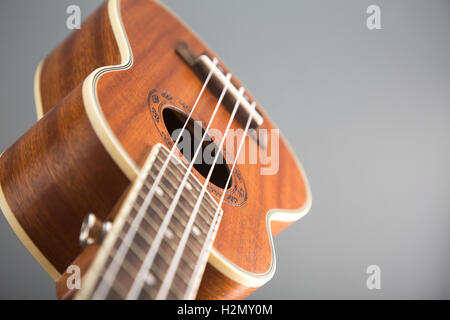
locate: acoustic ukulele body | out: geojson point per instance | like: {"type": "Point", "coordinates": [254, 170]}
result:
{"type": "Point", "coordinates": [98, 122]}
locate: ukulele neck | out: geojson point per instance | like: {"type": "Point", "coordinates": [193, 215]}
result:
{"type": "Point", "coordinates": [160, 245]}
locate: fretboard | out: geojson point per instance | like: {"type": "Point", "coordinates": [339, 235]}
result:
{"type": "Point", "coordinates": [131, 245]}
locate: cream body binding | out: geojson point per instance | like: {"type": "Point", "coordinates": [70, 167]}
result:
{"type": "Point", "coordinates": [130, 169]}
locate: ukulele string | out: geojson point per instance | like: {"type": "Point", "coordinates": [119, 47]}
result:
{"type": "Point", "coordinates": [138, 282]}
{"type": "Point", "coordinates": [170, 274]}
{"type": "Point", "coordinates": [111, 271]}
{"type": "Point", "coordinates": [209, 241]}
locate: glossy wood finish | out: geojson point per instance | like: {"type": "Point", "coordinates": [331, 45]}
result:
{"type": "Point", "coordinates": [55, 174]}
{"type": "Point", "coordinates": [83, 261]}
{"type": "Point", "coordinates": [91, 47]}
{"type": "Point", "coordinates": [127, 113]}
{"type": "Point", "coordinates": [59, 171]}
{"type": "Point", "coordinates": [215, 286]}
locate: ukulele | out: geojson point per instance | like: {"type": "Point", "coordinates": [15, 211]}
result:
{"type": "Point", "coordinates": [176, 177]}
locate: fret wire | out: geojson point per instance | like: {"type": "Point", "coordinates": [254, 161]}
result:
{"type": "Point", "coordinates": [156, 271]}
{"type": "Point", "coordinates": [167, 260]}
{"type": "Point", "coordinates": [136, 248]}
{"type": "Point", "coordinates": [149, 244]}
{"type": "Point", "coordinates": [192, 249]}
{"type": "Point", "coordinates": [181, 221]}
{"type": "Point", "coordinates": [163, 201]}
{"type": "Point", "coordinates": [121, 236]}
{"type": "Point", "coordinates": [151, 221]}
{"type": "Point", "coordinates": [182, 170]}
{"type": "Point", "coordinates": [197, 239]}
{"type": "Point", "coordinates": [128, 268]}
{"type": "Point", "coordinates": [204, 218]}
{"type": "Point", "coordinates": [148, 288]}
{"type": "Point", "coordinates": [179, 168]}
{"type": "Point", "coordinates": [181, 277]}
{"type": "Point", "coordinates": [172, 183]}
{"type": "Point", "coordinates": [181, 285]}
{"type": "Point", "coordinates": [151, 224]}
{"type": "Point", "coordinates": [171, 245]}
{"type": "Point", "coordinates": [142, 233]}
{"type": "Point", "coordinates": [141, 254]}
{"type": "Point", "coordinates": [163, 259]}
{"type": "Point", "coordinates": [185, 210]}
{"type": "Point", "coordinates": [164, 256]}
{"type": "Point", "coordinates": [193, 252]}
{"type": "Point", "coordinates": [180, 204]}
{"type": "Point", "coordinates": [138, 251]}
{"type": "Point", "coordinates": [178, 172]}
{"type": "Point", "coordinates": [176, 231]}
{"type": "Point", "coordinates": [184, 275]}
{"type": "Point", "coordinates": [176, 187]}
{"type": "Point", "coordinates": [176, 215]}
{"type": "Point", "coordinates": [164, 188]}
{"type": "Point", "coordinates": [112, 270]}
{"type": "Point", "coordinates": [190, 210]}
{"type": "Point", "coordinates": [177, 292]}
{"type": "Point", "coordinates": [159, 213]}
{"type": "Point", "coordinates": [119, 288]}
{"type": "Point", "coordinates": [199, 227]}
{"type": "Point", "coordinates": [148, 218]}
{"type": "Point", "coordinates": [189, 264]}
{"type": "Point", "coordinates": [179, 218]}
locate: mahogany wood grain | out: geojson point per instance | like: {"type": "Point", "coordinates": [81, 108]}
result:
{"type": "Point", "coordinates": [55, 174]}
{"type": "Point", "coordinates": [215, 286]}
{"type": "Point", "coordinates": [59, 170]}
{"type": "Point", "coordinates": [129, 117]}
{"type": "Point", "coordinates": [85, 50]}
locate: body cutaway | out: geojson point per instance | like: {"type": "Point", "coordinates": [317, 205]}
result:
{"type": "Point", "coordinates": [97, 127]}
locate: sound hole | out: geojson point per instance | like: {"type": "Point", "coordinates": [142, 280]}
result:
{"type": "Point", "coordinates": [174, 121]}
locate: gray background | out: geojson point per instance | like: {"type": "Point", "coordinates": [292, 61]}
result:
{"type": "Point", "coordinates": [367, 113]}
